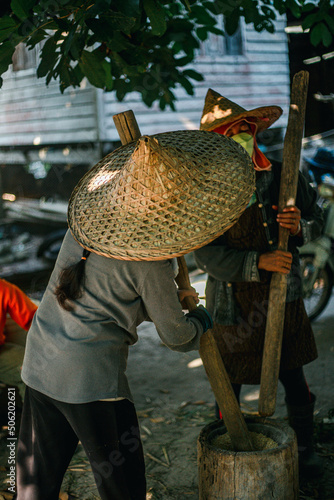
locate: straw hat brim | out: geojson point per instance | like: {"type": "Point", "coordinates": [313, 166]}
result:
{"type": "Point", "coordinates": [219, 110]}
{"type": "Point", "coordinates": [162, 196]}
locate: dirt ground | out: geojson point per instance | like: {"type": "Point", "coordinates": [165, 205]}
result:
{"type": "Point", "coordinates": [174, 402]}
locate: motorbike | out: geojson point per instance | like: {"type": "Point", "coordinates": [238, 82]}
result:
{"type": "Point", "coordinates": [317, 257]}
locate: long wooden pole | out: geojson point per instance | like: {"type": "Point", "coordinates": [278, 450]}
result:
{"type": "Point", "coordinates": [235, 424]}
{"type": "Point", "coordinates": [278, 285]}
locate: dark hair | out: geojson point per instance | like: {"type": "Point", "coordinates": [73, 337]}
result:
{"type": "Point", "coordinates": [71, 281]}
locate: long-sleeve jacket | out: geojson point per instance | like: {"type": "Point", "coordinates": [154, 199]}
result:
{"type": "Point", "coordinates": [226, 265]}
{"type": "Point", "coordinates": [81, 355]}
{"type": "Point", "coordinates": [14, 302]}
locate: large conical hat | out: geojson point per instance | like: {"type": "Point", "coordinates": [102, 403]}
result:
{"type": "Point", "coordinates": [161, 196]}
{"type": "Point", "coordinates": [219, 110]}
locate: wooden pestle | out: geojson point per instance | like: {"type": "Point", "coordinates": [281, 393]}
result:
{"type": "Point", "coordinates": [278, 285]}
{"type": "Point", "coordinates": [128, 130]}
{"type": "Point", "coordinates": [218, 377]}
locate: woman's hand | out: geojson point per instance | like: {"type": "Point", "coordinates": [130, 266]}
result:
{"type": "Point", "coordinates": [289, 218]}
{"type": "Point", "coordinates": [191, 292]}
{"type": "Point", "coordinates": [277, 261]}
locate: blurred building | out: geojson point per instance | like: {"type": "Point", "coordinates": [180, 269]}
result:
{"type": "Point", "coordinates": [44, 129]}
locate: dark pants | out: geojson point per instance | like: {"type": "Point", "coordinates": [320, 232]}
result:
{"type": "Point", "coordinates": [296, 389]}
{"type": "Point", "coordinates": [49, 434]}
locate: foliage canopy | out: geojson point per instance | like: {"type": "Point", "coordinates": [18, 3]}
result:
{"type": "Point", "coordinates": [138, 45]}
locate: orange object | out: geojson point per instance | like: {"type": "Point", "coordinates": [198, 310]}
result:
{"type": "Point", "coordinates": [17, 304]}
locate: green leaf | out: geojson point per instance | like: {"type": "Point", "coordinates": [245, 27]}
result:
{"type": "Point", "coordinates": [7, 23]}
{"type": "Point", "coordinates": [77, 47]}
{"type": "Point", "coordinates": [210, 6]}
{"type": "Point", "coordinates": [316, 35]}
{"type": "Point", "coordinates": [121, 89]}
{"type": "Point", "coordinates": [7, 26]}
{"type": "Point", "coordinates": [156, 15]}
{"type": "Point", "coordinates": [279, 6]}
{"type": "Point", "coordinates": [130, 7]}
{"type": "Point", "coordinates": [49, 57]}
{"type": "Point", "coordinates": [193, 74]}
{"type": "Point", "coordinates": [7, 50]}
{"type": "Point", "coordinates": [46, 66]}
{"type": "Point", "coordinates": [201, 15]}
{"type": "Point", "coordinates": [37, 37]}
{"type": "Point", "coordinates": [101, 28]}
{"type": "Point", "coordinates": [215, 30]}
{"type": "Point", "coordinates": [183, 61]}
{"type": "Point", "coordinates": [64, 77]}
{"type": "Point", "coordinates": [224, 7]}
{"type": "Point", "coordinates": [169, 98]}
{"type": "Point", "coordinates": [97, 8]}
{"type": "Point", "coordinates": [77, 74]}
{"type": "Point", "coordinates": [326, 35]}
{"type": "Point", "coordinates": [330, 21]}
{"type": "Point", "coordinates": [135, 57]}
{"type": "Point", "coordinates": [269, 26]}
{"type": "Point", "coordinates": [307, 7]}
{"type": "Point", "coordinates": [66, 45]}
{"type": "Point", "coordinates": [109, 83]}
{"type": "Point", "coordinates": [268, 12]}
{"type": "Point", "coordinates": [294, 7]}
{"type": "Point", "coordinates": [62, 24]}
{"type": "Point", "coordinates": [162, 103]}
{"type": "Point", "coordinates": [92, 67]}
{"type": "Point", "coordinates": [310, 20]}
{"type": "Point", "coordinates": [174, 9]}
{"type": "Point", "coordinates": [120, 42]}
{"type": "Point", "coordinates": [21, 8]}
{"type": "Point", "coordinates": [232, 23]}
{"type": "Point", "coordinates": [202, 33]}
{"type": "Point", "coordinates": [186, 84]}
{"type": "Point", "coordinates": [128, 69]}
{"type": "Point", "coordinates": [119, 22]}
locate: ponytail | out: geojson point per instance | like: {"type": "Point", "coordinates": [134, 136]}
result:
{"type": "Point", "coordinates": [71, 282]}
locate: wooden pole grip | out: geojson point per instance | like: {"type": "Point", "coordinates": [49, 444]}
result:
{"type": "Point", "coordinates": [127, 126]}
{"type": "Point", "coordinates": [292, 148]}
{"type": "Point", "coordinates": [183, 282]}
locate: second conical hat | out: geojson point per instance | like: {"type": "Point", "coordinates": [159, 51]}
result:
{"type": "Point", "coordinates": [219, 110]}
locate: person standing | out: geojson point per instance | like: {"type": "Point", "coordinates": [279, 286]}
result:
{"type": "Point", "coordinates": [240, 262]}
{"type": "Point", "coordinates": [116, 269]}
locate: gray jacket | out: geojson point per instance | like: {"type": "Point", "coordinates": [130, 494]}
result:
{"type": "Point", "coordinates": [81, 356]}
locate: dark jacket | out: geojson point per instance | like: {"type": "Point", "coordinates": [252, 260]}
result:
{"type": "Point", "coordinates": [226, 265]}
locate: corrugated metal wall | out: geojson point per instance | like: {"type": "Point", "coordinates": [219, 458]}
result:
{"type": "Point", "coordinates": [258, 77]}
{"type": "Point", "coordinates": [33, 114]}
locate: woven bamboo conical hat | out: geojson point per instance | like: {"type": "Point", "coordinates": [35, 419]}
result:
{"type": "Point", "coordinates": [161, 196]}
{"type": "Point", "coordinates": [219, 110]}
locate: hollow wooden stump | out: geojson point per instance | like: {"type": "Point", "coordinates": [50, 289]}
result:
{"type": "Point", "coordinates": [254, 475]}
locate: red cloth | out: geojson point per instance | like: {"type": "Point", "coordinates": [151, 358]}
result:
{"type": "Point", "coordinates": [15, 303]}
{"type": "Point", "coordinates": [260, 161]}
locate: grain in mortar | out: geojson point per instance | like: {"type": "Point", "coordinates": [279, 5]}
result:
{"type": "Point", "coordinates": [260, 442]}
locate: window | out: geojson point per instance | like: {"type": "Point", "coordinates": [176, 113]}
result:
{"type": "Point", "coordinates": [233, 43]}
{"type": "Point", "coordinates": [228, 45]}
{"type": "Point", "coordinates": [24, 58]}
